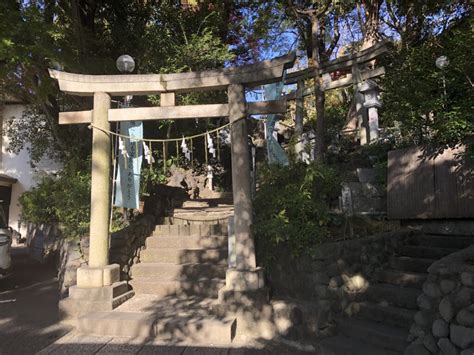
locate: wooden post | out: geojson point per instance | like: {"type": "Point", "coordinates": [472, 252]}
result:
{"type": "Point", "coordinates": [244, 243]}
{"type": "Point", "coordinates": [100, 183]}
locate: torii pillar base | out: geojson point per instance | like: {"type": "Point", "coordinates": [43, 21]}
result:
{"type": "Point", "coordinates": [244, 288]}
{"type": "Point", "coordinates": [98, 289]}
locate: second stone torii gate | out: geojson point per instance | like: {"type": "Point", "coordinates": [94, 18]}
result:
{"type": "Point", "coordinates": [99, 274]}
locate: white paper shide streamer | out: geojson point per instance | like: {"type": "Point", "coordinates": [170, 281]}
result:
{"type": "Point", "coordinates": [210, 146]}
{"type": "Point", "coordinates": [210, 177]}
{"type": "Point", "coordinates": [122, 149]}
{"type": "Point", "coordinates": [185, 149]}
{"type": "Point", "coordinates": [148, 154]}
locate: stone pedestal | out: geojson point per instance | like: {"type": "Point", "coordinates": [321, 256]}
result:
{"type": "Point", "coordinates": [88, 276]}
{"type": "Point", "coordinates": [244, 289]}
{"type": "Point", "coordinates": [98, 289]}
{"type": "Point", "coordinates": [246, 297]}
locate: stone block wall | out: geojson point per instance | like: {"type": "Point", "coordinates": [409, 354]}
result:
{"type": "Point", "coordinates": [337, 274]}
{"type": "Point", "coordinates": [126, 244]}
{"type": "Point", "coordinates": [445, 321]}
{"type": "Point", "coordinates": [125, 248]}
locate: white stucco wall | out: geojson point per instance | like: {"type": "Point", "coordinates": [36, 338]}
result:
{"type": "Point", "coordinates": [18, 166]}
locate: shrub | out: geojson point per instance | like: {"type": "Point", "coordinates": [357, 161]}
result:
{"type": "Point", "coordinates": [64, 199]}
{"type": "Point", "coordinates": [292, 206]}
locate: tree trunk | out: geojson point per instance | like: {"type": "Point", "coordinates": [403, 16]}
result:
{"type": "Point", "coordinates": [320, 146]}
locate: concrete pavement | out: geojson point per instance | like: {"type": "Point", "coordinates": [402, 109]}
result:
{"type": "Point", "coordinates": [29, 307]}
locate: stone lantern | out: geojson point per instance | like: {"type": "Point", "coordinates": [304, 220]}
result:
{"type": "Point", "coordinates": [370, 90]}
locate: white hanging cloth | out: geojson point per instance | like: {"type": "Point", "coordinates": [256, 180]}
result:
{"type": "Point", "coordinates": [185, 149]}
{"type": "Point", "coordinates": [210, 146]}
{"type": "Point", "coordinates": [148, 154]}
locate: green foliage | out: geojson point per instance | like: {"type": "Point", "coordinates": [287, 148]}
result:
{"type": "Point", "coordinates": [427, 105]}
{"type": "Point", "coordinates": [64, 199]}
{"type": "Point", "coordinates": [292, 206]}
{"type": "Point", "coordinates": [150, 177]}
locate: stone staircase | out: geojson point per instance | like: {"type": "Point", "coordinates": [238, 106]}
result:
{"type": "Point", "coordinates": [182, 259]}
{"type": "Point", "coordinates": [176, 282]}
{"type": "Point", "coordinates": [381, 318]}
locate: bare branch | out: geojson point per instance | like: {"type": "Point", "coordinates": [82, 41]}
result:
{"type": "Point", "coordinates": [335, 39]}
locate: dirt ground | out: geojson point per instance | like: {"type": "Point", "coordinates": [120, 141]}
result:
{"type": "Point", "coordinates": [29, 306]}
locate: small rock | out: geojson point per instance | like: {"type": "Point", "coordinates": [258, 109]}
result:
{"type": "Point", "coordinates": [461, 336]}
{"type": "Point", "coordinates": [463, 298]}
{"type": "Point", "coordinates": [416, 332]}
{"type": "Point", "coordinates": [467, 279]}
{"type": "Point", "coordinates": [440, 328]}
{"type": "Point", "coordinates": [430, 343]}
{"type": "Point", "coordinates": [424, 302]}
{"type": "Point", "coordinates": [469, 351]}
{"type": "Point", "coordinates": [447, 286]}
{"type": "Point", "coordinates": [423, 318]}
{"type": "Point", "coordinates": [447, 347]}
{"type": "Point", "coordinates": [320, 278]}
{"type": "Point", "coordinates": [446, 309]}
{"type": "Point", "coordinates": [335, 282]}
{"type": "Point", "coordinates": [465, 317]}
{"type": "Point", "coordinates": [321, 292]}
{"type": "Point", "coordinates": [431, 289]}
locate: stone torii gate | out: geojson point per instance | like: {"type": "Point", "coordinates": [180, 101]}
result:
{"type": "Point", "coordinates": [98, 273]}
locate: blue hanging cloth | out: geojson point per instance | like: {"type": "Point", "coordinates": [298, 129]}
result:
{"type": "Point", "coordinates": [275, 153]}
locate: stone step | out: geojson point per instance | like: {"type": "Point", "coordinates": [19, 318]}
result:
{"type": "Point", "coordinates": [175, 319]}
{"type": "Point", "coordinates": [119, 324]}
{"type": "Point", "coordinates": [407, 263]}
{"type": "Point", "coordinates": [393, 295]}
{"type": "Point", "coordinates": [401, 278]}
{"type": "Point", "coordinates": [195, 204]}
{"type": "Point", "coordinates": [184, 256]}
{"type": "Point", "coordinates": [72, 308]}
{"type": "Point", "coordinates": [173, 272]}
{"type": "Point", "coordinates": [380, 335]}
{"type": "Point", "coordinates": [192, 229]}
{"type": "Point", "coordinates": [192, 219]}
{"type": "Point", "coordinates": [187, 242]}
{"type": "Point", "coordinates": [420, 251]}
{"type": "Point", "coordinates": [197, 330]}
{"type": "Point", "coordinates": [343, 345]}
{"type": "Point", "coordinates": [395, 316]}
{"type": "Point", "coordinates": [442, 241]}
{"type": "Point", "coordinates": [201, 287]}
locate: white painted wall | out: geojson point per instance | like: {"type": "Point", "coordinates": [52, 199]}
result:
{"type": "Point", "coordinates": [18, 166]}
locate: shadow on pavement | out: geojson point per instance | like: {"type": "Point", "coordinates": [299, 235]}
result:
{"type": "Point", "coordinates": [29, 306]}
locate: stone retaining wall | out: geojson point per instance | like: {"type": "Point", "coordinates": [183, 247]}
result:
{"type": "Point", "coordinates": [125, 248]}
{"type": "Point", "coordinates": [337, 274]}
{"type": "Point", "coordinates": [445, 321]}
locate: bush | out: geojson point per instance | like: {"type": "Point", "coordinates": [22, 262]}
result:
{"type": "Point", "coordinates": [64, 199]}
{"type": "Point", "coordinates": [292, 206]}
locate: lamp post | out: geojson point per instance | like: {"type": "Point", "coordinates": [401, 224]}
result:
{"type": "Point", "coordinates": [126, 65]}
{"type": "Point", "coordinates": [441, 63]}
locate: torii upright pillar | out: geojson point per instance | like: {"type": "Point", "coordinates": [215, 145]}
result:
{"type": "Point", "coordinates": [98, 273]}
{"type": "Point", "coordinates": [245, 278]}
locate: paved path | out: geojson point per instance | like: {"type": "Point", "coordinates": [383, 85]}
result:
{"type": "Point", "coordinates": [28, 307]}
{"type": "Point", "coordinates": [87, 345]}
{"type": "Point", "coordinates": [29, 324]}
